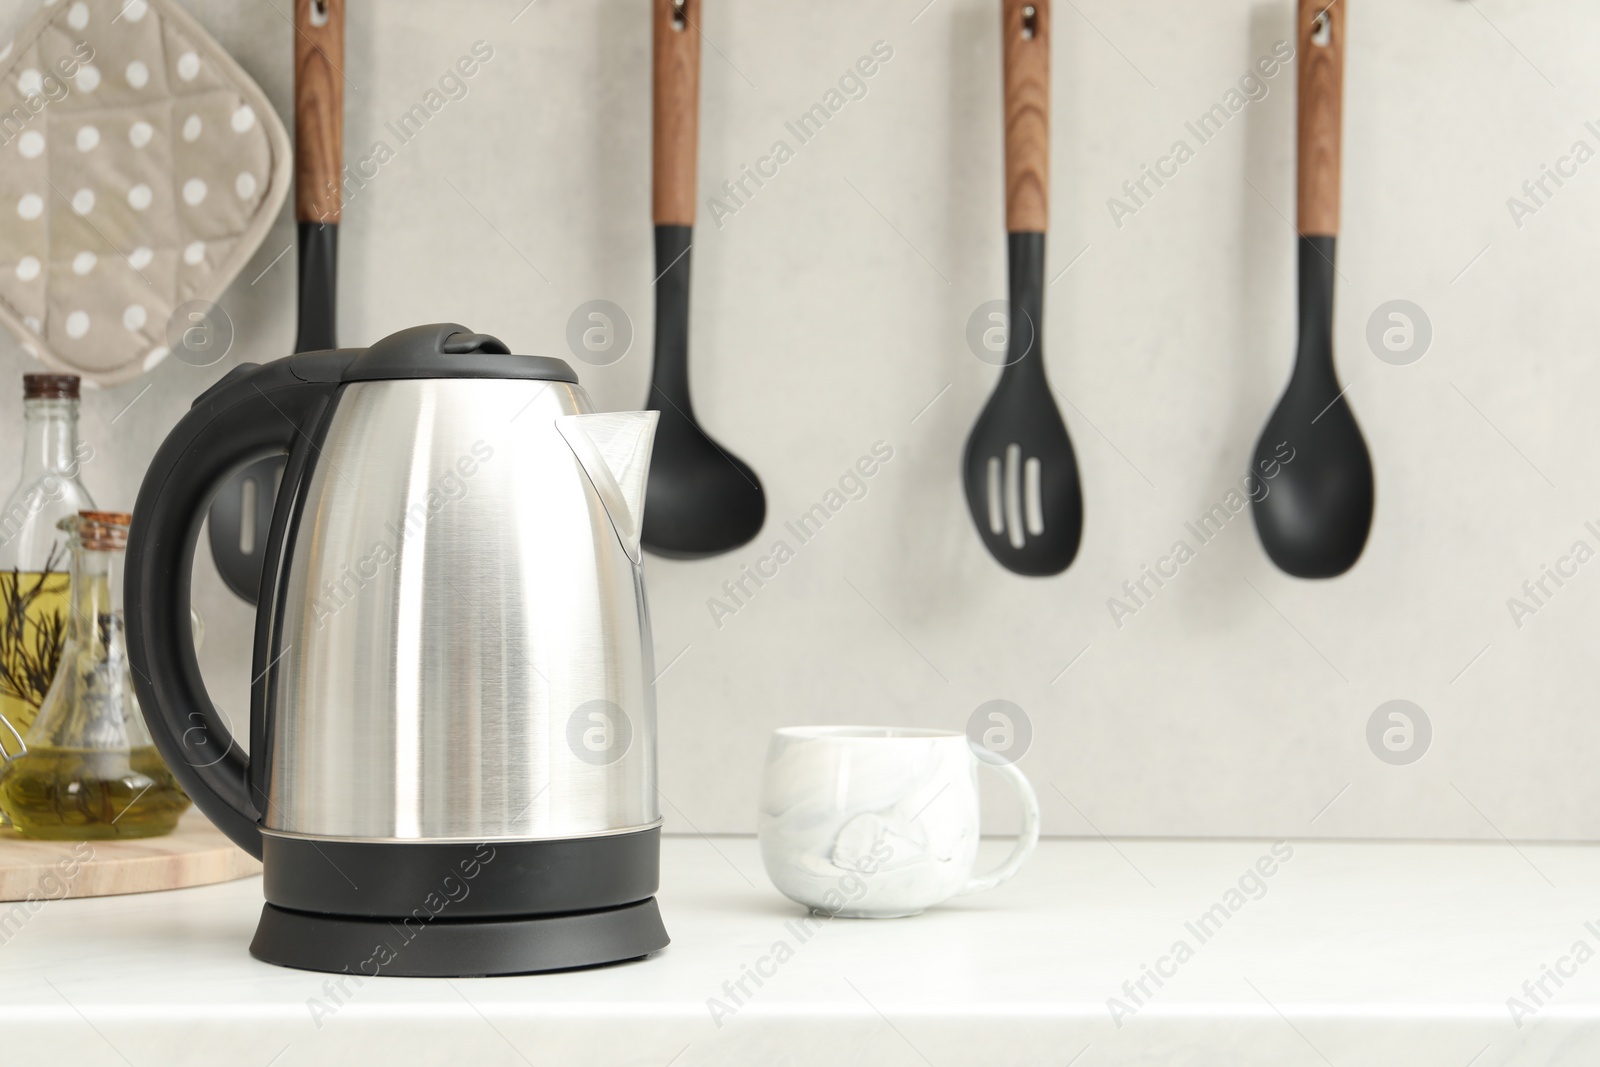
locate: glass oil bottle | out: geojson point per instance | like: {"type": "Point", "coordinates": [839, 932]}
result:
{"type": "Point", "coordinates": [89, 770]}
{"type": "Point", "coordinates": [33, 552]}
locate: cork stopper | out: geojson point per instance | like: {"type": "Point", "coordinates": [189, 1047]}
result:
{"type": "Point", "coordinates": [104, 531]}
{"type": "Point", "coordinates": [49, 387]}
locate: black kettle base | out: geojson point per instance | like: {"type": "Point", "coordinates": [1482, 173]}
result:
{"type": "Point", "coordinates": [457, 948]}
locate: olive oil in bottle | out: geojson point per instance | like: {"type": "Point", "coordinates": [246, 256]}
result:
{"type": "Point", "coordinates": [89, 770]}
{"type": "Point", "coordinates": [87, 794]}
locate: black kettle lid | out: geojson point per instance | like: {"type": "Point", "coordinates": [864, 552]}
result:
{"type": "Point", "coordinates": [449, 350]}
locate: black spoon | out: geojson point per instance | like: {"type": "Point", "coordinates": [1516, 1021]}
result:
{"type": "Point", "coordinates": [1317, 508]}
{"type": "Point", "coordinates": [1020, 473]}
{"type": "Point", "coordinates": [701, 499]}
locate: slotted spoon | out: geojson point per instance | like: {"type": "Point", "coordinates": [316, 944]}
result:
{"type": "Point", "coordinates": [1020, 473]}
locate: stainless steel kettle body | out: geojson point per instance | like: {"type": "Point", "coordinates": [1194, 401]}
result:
{"type": "Point", "coordinates": [463, 650]}
{"type": "Point", "coordinates": [453, 718]}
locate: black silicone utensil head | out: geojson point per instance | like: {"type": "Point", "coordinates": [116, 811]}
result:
{"type": "Point", "coordinates": [1311, 462]}
{"type": "Point", "coordinates": [1021, 480]}
{"type": "Point", "coordinates": [701, 499]}
{"type": "Point", "coordinates": [1019, 470]}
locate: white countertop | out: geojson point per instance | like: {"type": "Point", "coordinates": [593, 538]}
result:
{"type": "Point", "coordinates": [1355, 955]}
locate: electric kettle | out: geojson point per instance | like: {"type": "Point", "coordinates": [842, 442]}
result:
{"type": "Point", "coordinates": [452, 756]}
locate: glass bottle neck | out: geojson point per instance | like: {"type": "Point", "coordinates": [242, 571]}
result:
{"type": "Point", "coordinates": [52, 438]}
{"type": "Point", "coordinates": [96, 620]}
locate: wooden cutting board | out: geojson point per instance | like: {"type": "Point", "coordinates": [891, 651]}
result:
{"type": "Point", "coordinates": [197, 853]}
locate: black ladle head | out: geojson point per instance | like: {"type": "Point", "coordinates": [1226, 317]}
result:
{"type": "Point", "coordinates": [1019, 470]}
{"type": "Point", "coordinates": [1313, 489]}
{"type": "Point", "coordinates": [701, 499]}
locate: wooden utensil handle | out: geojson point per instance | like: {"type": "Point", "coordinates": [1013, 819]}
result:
{"type": "Point", "coordinates": [318, 109]}
{"type": "Point", "coordinates": [1320, 39]}
{"type": "Point", "coordinates": [676, 109]}
{"type": "Point", "coordinates": [1025, 32]}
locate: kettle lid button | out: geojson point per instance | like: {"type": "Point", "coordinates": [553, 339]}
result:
{"type": "Point", "coordinates": [464, 343]}
{"type": "Point", "coordinates": [449, 350]}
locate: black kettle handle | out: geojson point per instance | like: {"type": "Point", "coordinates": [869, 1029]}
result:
{"type": "Point", "coordinates": [254, 411]}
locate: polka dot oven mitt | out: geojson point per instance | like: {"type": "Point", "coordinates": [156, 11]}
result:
{"type": "Point", "coordinates": [140, 168]}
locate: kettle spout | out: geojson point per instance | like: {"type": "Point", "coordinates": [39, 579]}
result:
{"type": "Point", "coordinates": [613, 448]}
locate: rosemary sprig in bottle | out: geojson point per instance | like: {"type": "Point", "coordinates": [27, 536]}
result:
{"type": "Point", "coordinates": [30, 648]}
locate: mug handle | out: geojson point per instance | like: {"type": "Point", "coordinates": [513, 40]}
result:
{"type": "Point", "coordinates": [1027, 840]}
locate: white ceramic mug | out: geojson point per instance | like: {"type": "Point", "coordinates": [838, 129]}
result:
{"type": "Point", "coordinates": [879, 822]}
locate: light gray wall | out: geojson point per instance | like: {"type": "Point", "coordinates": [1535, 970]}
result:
{"type": "Point", "coordinates": [829, 314]}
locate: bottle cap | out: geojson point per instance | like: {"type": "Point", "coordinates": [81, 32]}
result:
{"type": "Point", "coordinates": [103, 530]}
{"type": "Point", "coordinates": [49, 387]}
